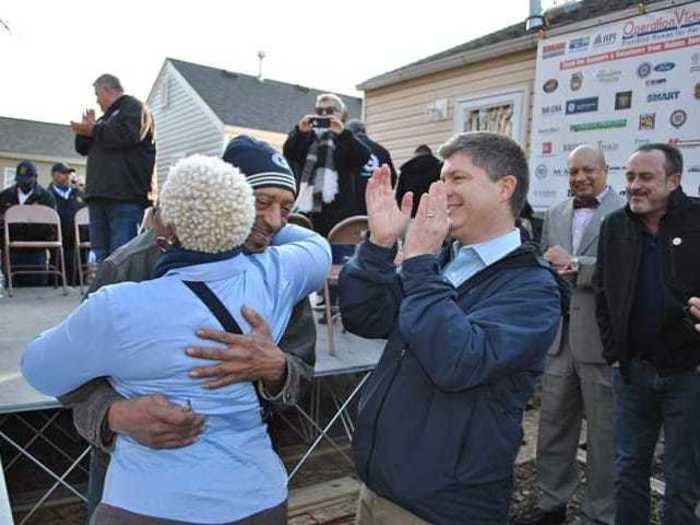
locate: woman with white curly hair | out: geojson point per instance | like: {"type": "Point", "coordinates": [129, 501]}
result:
{"type": "Point", "coordinates": [136, 335]}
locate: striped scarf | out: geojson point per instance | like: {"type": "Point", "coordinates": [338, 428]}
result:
{"type": "Point", "coordinates": [319, 178]}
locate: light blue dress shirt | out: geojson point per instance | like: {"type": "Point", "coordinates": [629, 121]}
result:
{"type": "Point", "coordinates": [471, 258]}
{"type": "Point", "coordinates": [136, 334]}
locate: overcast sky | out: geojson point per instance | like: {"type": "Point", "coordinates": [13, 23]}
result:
{"type": "Point", "coordinates": [56, 49]}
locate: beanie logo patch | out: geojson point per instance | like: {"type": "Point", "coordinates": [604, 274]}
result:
{"type": "Point", "coordinates": [280, 161]}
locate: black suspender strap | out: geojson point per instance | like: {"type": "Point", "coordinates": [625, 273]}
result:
{"type": "Point", "coordinates": [215, 306]}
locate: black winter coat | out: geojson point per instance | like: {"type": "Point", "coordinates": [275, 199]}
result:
{"type": "Point", "coordinates": [416, 175]}
{"type": "Point", "coordinates": [119, 160]}
{"type": "Point", "coordinates": [67, 208]}
{"type": "Point", "coordinates": [617, 268]}
{"type": "Point", "coordinates": [378, 156]}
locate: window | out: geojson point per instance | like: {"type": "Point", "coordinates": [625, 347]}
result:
{"type": "Point", "coordinates": [9, 178]}
{"type": "Point", "coordinates": [496, 113]}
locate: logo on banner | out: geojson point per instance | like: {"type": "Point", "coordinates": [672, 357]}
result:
{"type": "Point", "coordinates": [623, 100]}
{"type": "Point", "coordinates": [553, 50]}
{"type": "Point", "coordinates": [663, 96]}
{"type": "Point", "coordinates": [608, 147]}
{"type": "Point", "coordinates": [541, 171]}
{"type": "Point", "coordinates": [644, 70]}
{"type": "Point", "coordinates": [547, 148]}
{"type": "Point", "coordinates": [560, 172]}
{"type": "Point", "coordinates": [655, 82]}
{"type": "Point", "coordinates": [664, 66]}
{"type": "Point", "coordinates": [647, 121]}
{"type": "Point", "coordinates": [582, 105]}
{"type": "Point", "coordinates": [604, 39]}
{"type": "Point", "coordinates": [576, 81]}
{"type": "Point", "coordinates": [548, 111]}
{"type": "Point", "coordinates": [599, 125]}
{"type": "Point", "coordinates": [678, 118]}
{"type": "Point", "coordinates": [579, 45]}
{"type": "Point", "coordinates": [546, 131]}
{"type": "Point", "coordinates": [550, 86]}
{"type": "Point", "coordinates": [695, 63]}
{"type": "Point", "coordinates": [696, 91]}
{"type": "Point", "coordinates": [685, 143]}
{"type": "Point", "coordinates": [608, 75]}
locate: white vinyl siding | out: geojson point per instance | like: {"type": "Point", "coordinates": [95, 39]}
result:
{"type": "Point", "coordinates": [185, 125]}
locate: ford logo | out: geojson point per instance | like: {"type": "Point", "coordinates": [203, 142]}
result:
{"type": "Point", "coordinates": [664, 66]}
{"type": "Point", "coordinates": [550, 86]}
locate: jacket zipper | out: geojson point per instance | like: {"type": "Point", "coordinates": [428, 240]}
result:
{"type": "Point", "coordinates": [379, 411]}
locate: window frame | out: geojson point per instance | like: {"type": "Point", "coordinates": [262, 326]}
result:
{"type": "Point", "coordinates": [515, 97]}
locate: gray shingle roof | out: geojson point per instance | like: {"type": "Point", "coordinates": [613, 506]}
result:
{"type": "Point", "coordinates": [31, 137]}
{"type": "Point", "coordinates": [241, 100]}
{"type": "Point", "coordinates": [565, 15]}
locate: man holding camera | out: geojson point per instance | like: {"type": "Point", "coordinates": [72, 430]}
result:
{"type": "Point", "coordinates": [325, 156]}
{"type": "Point", "coordinates": [646, 276]}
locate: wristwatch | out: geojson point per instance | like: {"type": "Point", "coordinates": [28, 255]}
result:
{"type": "Point", "coordinates": [575, 265]}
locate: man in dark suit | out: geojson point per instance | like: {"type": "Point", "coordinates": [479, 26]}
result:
{"type": "Point", "coordinates": [577, 379]}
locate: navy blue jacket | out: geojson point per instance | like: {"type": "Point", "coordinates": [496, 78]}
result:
{"type": "Point", "coordinates": [439, 424]}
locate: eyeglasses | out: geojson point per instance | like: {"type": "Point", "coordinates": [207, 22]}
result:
{"type": "Point", "coordinates": [329, 110]}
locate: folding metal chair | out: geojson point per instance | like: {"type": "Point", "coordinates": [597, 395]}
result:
{"type": "Point", "coordinates": [82, 218]}
{"type": "Point", "coordinates": [347, 232]}
{"type": "Point", "coordinates": [33, 214]}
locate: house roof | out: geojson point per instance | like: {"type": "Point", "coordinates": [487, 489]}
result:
{"type": "Point", "coordinates": [556, 18]}
{"type": "Point", "coordinates": [31, 137]}
{"type": "Point", "coordinates": [242, 100]}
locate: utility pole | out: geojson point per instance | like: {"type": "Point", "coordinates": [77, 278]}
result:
{"type": "Point", "coordinates": [261, 56]}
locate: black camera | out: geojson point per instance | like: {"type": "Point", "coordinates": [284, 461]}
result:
{"type": "Point", "coordinates": [320, 122]}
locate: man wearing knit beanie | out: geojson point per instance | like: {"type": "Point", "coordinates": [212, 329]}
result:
{"type": "Point", "coordinates": [99, 412]}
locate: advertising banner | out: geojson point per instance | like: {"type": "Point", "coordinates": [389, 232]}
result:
{"type": "Point", "coordinates": [617, 86]}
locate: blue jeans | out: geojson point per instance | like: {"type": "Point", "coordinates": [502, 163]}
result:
{"type": "Point", "coordinates": [112, 224]}
{"type": "Point", "coordinates": [644, 403]}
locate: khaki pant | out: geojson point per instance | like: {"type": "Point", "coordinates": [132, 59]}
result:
{"type": "Point", "coordinates": [107, 515]}
{"type": "Point", "coordinates": [375, 510]}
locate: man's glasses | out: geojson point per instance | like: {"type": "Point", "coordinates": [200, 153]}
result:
{"type": "Point", "coordinates": [326, 111]}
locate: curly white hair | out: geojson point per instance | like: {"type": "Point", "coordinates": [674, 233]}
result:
{"type": "Point", "coordinates": [209, 202]}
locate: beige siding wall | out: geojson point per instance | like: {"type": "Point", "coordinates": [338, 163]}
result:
{"type": "Point", "coordinates": [273, 138]}
{"type": "Point", "coordinates": [43, 164]}
{"type": "Point", "coordinates": [397, 118]}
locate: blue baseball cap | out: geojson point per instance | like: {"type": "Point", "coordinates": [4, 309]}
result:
{"type": "Point", "coordinates": [25, 170]}
{"type": "Point", "coordinates": [61, 168]}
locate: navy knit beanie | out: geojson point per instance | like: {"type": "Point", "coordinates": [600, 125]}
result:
{"type": "Point", "coordinates": [262, 165]}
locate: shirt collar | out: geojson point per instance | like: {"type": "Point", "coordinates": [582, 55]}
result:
{"type": "Point", "coordinates": [494, 249]}
{"type": "Point", "coordinates": [602, 194]}
{"type": "Point", "coordinates": [212, 271]}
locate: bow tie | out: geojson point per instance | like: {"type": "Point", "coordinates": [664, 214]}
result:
{"type": "Point", "coordinates": [585, 202]}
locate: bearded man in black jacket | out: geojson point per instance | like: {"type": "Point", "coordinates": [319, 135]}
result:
{"type": "Point", "coordinates": [646, 274]}
{"type": "Point", "coordinates": [121, 154]}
